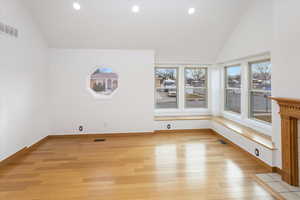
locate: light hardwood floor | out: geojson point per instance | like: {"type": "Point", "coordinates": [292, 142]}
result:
{"type": "Point", "coordinates": [185, 166]}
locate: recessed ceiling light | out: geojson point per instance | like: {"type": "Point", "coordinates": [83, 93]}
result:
{"type": "Point", "coordinates": [76, 6]}
{"type": "Point", "coordinates": [135, 9]}
{"type": "Point", "coordinates": [191, 11]}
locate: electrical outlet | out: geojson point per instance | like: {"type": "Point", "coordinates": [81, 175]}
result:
{"type": "Point", "coordinates": [169, 126]}
{"type": "Point", "coordinates": [257, 152]}
{"type": "Point", "coordinates": [80, 128]}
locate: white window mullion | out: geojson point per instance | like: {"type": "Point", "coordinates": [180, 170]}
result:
{"type": "Point", "coordinates": [208, 88]}
{"type": "Point", "coordinates": [181, 89]}
{"type": "Point", "coordinates": [245, 90]}
{"type": "Point", "coordinates": [222, 93]}
{"type": "Point", "coordinates": [233, 85]}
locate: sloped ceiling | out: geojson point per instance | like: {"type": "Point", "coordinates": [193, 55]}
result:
{"type": "Point", "coordinates": [162, 25]}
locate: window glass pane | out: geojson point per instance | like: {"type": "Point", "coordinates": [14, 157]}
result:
{"type": "Point", "coordinates": [261, 106]}
{"type": "Point", "coordinates": [196, 98]}
{"type": "Point", "coordinates": [195, 87]}
{"type": "Point", "coordinates": [166, 88]}
{"type": "Point", "coordinates": [166, 78]}
{"type": "Point", "coordinates": [166, 98]}
{"type": "Point", "coordinates": [233, 100]}
{"type": "Point", "coordinates": [261, 75]}
{"type": "Point", "coordinates": [232, 90]}
{"type": "Point", "coordinates": [195, 77]}
{"type": "Point", "coordinates": [233, 77]}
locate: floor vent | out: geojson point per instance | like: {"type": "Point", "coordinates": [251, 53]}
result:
{"type": "Point", "coordinates": [222, 142]}
{"type": "Point", "coordinates": [99, 140]}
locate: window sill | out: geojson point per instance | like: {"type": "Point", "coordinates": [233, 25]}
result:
{"type": "Point", "coordinates": [260, 126]}
{"type": "Point", "coordinates": [182, 112]}
{"type": "Point", "coordinates": [233, 115]}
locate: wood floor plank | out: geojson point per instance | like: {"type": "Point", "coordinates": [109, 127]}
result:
{"type": "Point", "coordinates": [175, 166]}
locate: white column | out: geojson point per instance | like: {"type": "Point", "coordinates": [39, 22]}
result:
{"type": "Point", "coordinates": [180, 90]}
{"type": "Point", "coordinates": [244, 90]}
{"type": "Point", "coordinates": [215, 91]}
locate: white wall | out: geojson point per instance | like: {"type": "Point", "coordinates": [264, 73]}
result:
{"type": "Point", "coordinates": [215, 88]}
{"type": "Point", "coordinates": [131, 109]}
{"type": "Point", "coordinates": [285, 57]}
{"type": "Point", "coordinates": [23, 118]}
{"type": "Point", "coordinates": [253, 35]}
{"type": "Point", "coordinates": [183, 124]}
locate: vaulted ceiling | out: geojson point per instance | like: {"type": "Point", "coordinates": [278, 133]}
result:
{"type": "Point", "coordinates": [162, 25]}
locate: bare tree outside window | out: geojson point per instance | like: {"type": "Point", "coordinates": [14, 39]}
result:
{"type": "Point", "coordinates": [195, 88]}
{"type": "Point", "coordinates": [260, 91]}
{"type": "Point", "coordinates": [166, 88]}
{"type": "Point", "coordinates": [233, 89]}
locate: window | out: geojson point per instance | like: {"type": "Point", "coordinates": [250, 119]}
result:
{"type": "Point", "coordinates": [233, 89]}
{"type": "Point", "coordinates": [181, 88]}
{"type": "Point", "coordinates": [103, 82]}
{"type": "Point", "coordinates": [166, 88]}
{"type": "Point", "coordinates": [195, 87]}
{"type": "Point", "coordinates": [260, 91]}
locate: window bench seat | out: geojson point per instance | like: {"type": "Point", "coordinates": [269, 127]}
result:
{"type": "Point", "coordinates": [249, 140]}
{"type": "Point", "coordinates": [258, 145]}
{"type": "Point", "coordinates": [240, 129]}
{"type": "Point", "coordinates": [246, 132]}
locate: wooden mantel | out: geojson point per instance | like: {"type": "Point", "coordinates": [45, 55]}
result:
{"type": "Point", "coordinates": [290, 114]}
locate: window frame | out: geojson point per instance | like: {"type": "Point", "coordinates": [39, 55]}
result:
{"type": "Point", "coordinates": [229, 88]}
{"type": "Point", "coordinates": [177, 88]}
{"type": "Point", "coordinates": [244, 119]}
{"type": "Point", "coordinates": [181, 110]}
{"type": "Point", "coordinates": [250, 90]}
{"type": "Point", "coordinates": [185, 87]}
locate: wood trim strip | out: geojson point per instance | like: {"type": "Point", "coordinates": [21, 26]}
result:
{"type": "Point", "coordinates": [290, 114]}
{"type": "Point", "coordinates": [39, 143]}
{"type": "Point", "coordinates": [286, 100]}
{"type": "Point", "coordinates": [129, 134]}
{"type": "Point", "coordinates": [289, 140]}
{"type": "Point", "coordinates": [23, 152]}
{"type": "Point", "coordinates": [100, 135]}
{"type": "Point", "coordinates": [277, 170]}
{"type": "Point", "coordinates": [14, 157]}
{"type": "Point", "coordinates": [183, 131]}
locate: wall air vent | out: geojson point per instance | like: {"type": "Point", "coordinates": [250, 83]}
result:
{"type": "Point", "coordinates": [8, 30]}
